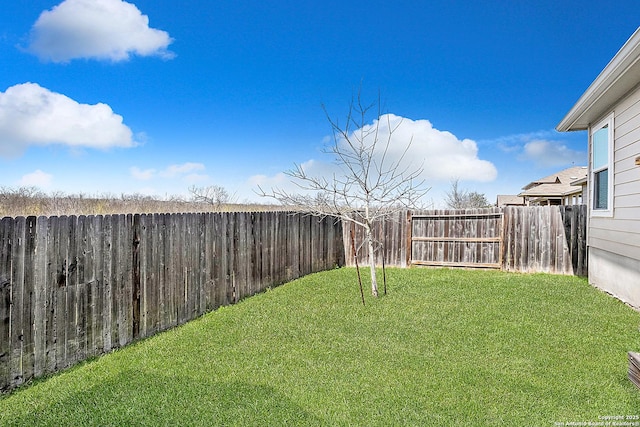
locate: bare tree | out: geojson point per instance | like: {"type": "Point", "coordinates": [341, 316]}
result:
{"type": "Point", "coordinates": [372, 183]}
{"type": "Point", "coordinates": [457, 198]}
{"type": "Point", "coordinates": [214, 195]}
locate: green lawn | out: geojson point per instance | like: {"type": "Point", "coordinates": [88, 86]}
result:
{"type": "Point", "coordinates": [443, 348]}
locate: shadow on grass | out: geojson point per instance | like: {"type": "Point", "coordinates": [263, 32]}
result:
{"type": "Point", "coordinates": [138, 399]}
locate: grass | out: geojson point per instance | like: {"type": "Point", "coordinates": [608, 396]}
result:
{"type": "Point", "coordinates": [443, 348]}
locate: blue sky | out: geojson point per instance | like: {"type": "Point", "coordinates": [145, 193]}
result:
{"type": "Point", "coordinates": [152, 97]}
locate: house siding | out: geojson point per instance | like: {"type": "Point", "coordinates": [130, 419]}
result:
{"type": "Point", "coordinates": [614, 242]}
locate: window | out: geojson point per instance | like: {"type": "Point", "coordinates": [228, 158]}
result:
{"type": "Point", "coordinates": [601, 168]}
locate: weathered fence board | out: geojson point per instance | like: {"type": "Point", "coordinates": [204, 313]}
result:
{"type": "Point", "coordinates": [6, 226]}
{"type": "Point", "coordinates": [75, 287]}
{"type": "Point", "coordinates": [16, 317]}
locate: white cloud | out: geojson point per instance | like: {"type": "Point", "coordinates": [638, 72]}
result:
{"type": "Point", "coordinates": [142, 175]}
{"type": "Point", "coordinates": [441, 155]}
{"type": "Point", "coordinates": [37, 178]}
{"type": "Point", "coordinates": [97, 29]}
{"type": "Point", "coordinates": [33, 115]}
{"type": "Point", "coordinates": [266, 182]}
{"type": "Point", "coordinates": [543, 148]}
{"type": "Point", "coordinates": [187, 172]}
{"type": "Point", "coordinates": [546, 153]}
{"type": "Point", "coordinates": [182, 169]}
{"type": "Point", "coordinates": [507, 142]}
{"type": "Point", "coordinates": [173, 179]}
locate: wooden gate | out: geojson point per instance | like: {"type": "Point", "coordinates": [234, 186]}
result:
{"type": "Point", "coordinates": [456, 238]}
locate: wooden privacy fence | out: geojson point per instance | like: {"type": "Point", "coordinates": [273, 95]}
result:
{"type": "Point", "coordinates": [76, 287]}
{"type": "Point", "coordinates": [548, 239]}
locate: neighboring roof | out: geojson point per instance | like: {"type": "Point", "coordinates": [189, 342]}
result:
{"type": "Point", "coordinates": [582, 181]}
{"type": "Point", "coordinates": [558, 184]}
{"type": "Point", "coordinates": [509, 200]}
{"type": "Point", "coordinates": [618, 78]}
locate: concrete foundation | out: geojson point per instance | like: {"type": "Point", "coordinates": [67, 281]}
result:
{"type": "Point", "coordinates": [616, 274]}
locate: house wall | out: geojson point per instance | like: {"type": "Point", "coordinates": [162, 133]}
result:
{"type": "Point", "coordinates": [614, 242]}
{"type": "Point", "coordinates": [616, 274]}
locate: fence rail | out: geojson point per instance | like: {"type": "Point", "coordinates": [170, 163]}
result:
{"type": "Point", "coordinates": [76, 287]}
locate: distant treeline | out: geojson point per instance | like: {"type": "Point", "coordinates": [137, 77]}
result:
{"type": "Point", "coordinates": [28, 201]}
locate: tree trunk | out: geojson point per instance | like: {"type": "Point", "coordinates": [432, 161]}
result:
{"type": "Point", "coordinates": [372, 262]}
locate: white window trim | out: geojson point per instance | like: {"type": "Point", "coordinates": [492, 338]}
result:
{"type": "Point", "coordinates": [608, 121]}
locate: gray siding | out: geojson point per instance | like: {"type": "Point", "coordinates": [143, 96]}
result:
{"type": "Point", "coordinates": [621, 233]}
